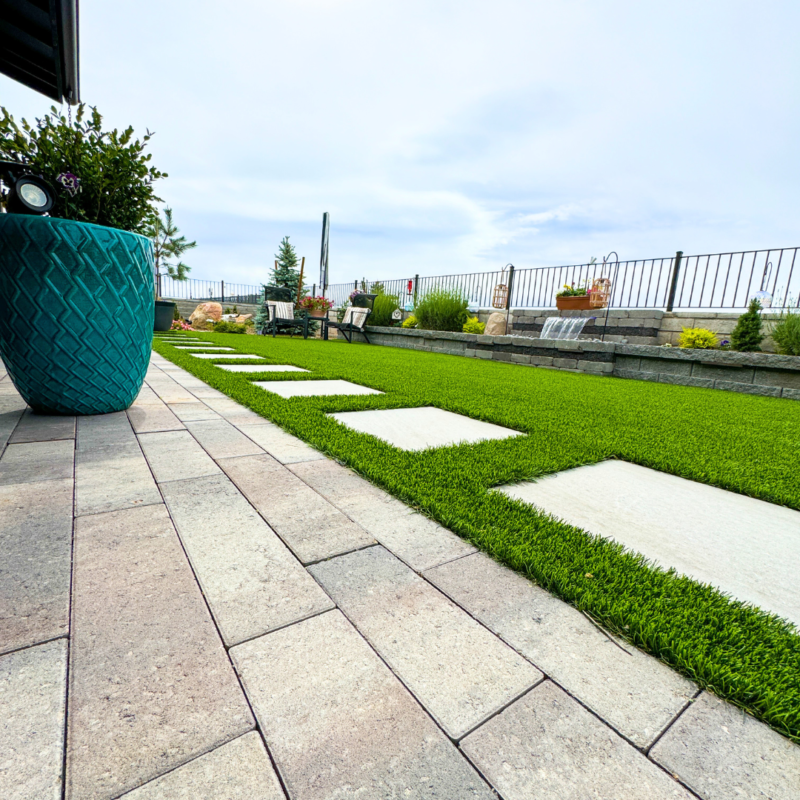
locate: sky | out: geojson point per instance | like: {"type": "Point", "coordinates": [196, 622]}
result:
{"type": "Point", "coordinates": [447, 137]}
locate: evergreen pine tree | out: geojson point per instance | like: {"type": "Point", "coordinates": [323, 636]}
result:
{"type": "Point", "coordinates": [286, 272]}
{"type": "Point", "coordinates": [747, 336]}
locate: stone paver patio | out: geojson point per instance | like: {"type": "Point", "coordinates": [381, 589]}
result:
{"type": "Point", "coordinates": [195, 604]}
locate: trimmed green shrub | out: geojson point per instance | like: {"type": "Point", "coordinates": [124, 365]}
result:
{"type": "Point", "coordinates": [229, 327]}
{"type": "Point", "coordinates": [698, 339]}
{"type": "Point", "coordinates": [410, 322]}
{"type": "Point", "coordinates": [383, 306]}
{"type": "Point", "coordinates": [442, 310]}
{"type": "Point", "coordinates": [474, 325]}
{"type": "Point", "coordinates": [786, 334]}
{"type": "Point", "coordinates": [747, 336]}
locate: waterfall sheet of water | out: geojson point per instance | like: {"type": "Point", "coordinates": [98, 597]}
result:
{"type": "Point", "coordinates": [563, 327]}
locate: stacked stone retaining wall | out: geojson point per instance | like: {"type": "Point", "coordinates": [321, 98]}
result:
{"type": "Point", "coordinates": [764, 374]}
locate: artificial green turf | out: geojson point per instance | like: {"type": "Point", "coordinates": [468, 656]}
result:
{"type": "Point", "coordinates": [742, 443]}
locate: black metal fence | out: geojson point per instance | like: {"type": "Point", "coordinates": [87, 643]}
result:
{"type": "Point", "coordinates": [720, 281]}
{"type": "Point", "coordinates": [214, 291]}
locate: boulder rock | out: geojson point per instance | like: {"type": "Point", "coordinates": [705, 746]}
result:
{"type": "Point", "coordinates": [206, 313]}
{"type": "Point", "coordinates": [496, 324]}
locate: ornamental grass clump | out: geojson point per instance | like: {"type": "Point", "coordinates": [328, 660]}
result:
{"type": "Point", "coordinates": [442, 310]}
{"type": "Point", "coordinates": [698, 339]}
{"type": "Point", "coordinates": [383, 306]}
{"type": "Point", "coordinates": [786, 334]}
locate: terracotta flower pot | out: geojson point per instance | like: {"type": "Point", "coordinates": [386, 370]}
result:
{"type": "Point", "coordinates": [578, 302]}
{"type": "Point", "coordinates": [318, 313]}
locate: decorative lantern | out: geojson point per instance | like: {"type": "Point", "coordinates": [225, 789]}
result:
{"type": "Point", "coordinates": [600, 293]}
{"type": "Point", "coordinates": [500, 296]}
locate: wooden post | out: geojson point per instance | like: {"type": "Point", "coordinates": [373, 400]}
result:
{"type": "Point", "coordinates": [300, 282]}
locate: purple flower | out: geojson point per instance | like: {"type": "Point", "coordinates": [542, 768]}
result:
{"type": "Point", "coordinates": [70, 182]}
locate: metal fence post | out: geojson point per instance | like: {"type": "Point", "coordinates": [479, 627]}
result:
{"type": "Point", "coordinates": [674, 280]}
{"type": "Point", "coordinates": [510, 290]}
{"type": "Point", "coordinates": [416, 285]}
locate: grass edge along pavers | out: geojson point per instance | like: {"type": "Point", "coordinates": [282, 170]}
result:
{"type": "Point", "coordinates": [741, 443]}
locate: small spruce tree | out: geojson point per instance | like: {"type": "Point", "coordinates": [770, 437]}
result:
{"type": "Point", "coordinates": [747, 336]}
{"type": "Point", "coordinates": [286, 272]}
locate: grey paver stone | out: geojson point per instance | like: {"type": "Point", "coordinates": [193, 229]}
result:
{"type": "Point", "coordinates": [239, 770]}
{"type": "Point", "coordinates": [220, 439]}
{"type": "Point", "coordinates": [547, 746]}
{"type": "Point", "coordinates": [339, 724]}
{"type": "Point", "coordinates": [176, 456]}
{"type": "Point", "coordinates": [281, 445]}
{"type": "Point", "coordinates": [37, 461]}
{"type": "Point", "coordinates": [724, 754]}
{"type": "Point", "coordinates": [152, 418]}
{"type": "Point", "coordinates": [417, 540]}
{"type": "Point", "coordinates": [169, 390]}
{"type": "Point", "coordinates": [33, 686]}
{"type": "Point", "coordinates": [636, 694]}
{"type": "Point", "coordinates": [457, 669]}
{"type": "Point", "coordinates": [112, 478]}
{"type": "Point", "coordinates": [191, 412]}
{"type": "Point", "coordinates": [147, 397]}
{"type": "Point", "coordinates": [250, 579]}
{"type": "Point", "coordinates": [43, 428]}
{"type": "Point", "coordinates": [232, 411]}
{"type": "Point", "coordinates": [10, 415]}
{"type": "Point", "coordinates": [150, 682]}
{"type": "Point", "coordinates": [104, 430]}
{"type": "Point", "coordinates": [36, 547]}
{"type": "Point", "coordinates": [309, 524]}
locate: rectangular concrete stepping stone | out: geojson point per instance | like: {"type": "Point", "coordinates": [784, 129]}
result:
{"type": "Point", "coordinates": [225, 356]}
{"type": "Point", "coordinates": [746, 547]}
{"type": "Point", "coordinates": [36, 562]}
{"type": "Point", "coordinates": [417, 540]}
{"type": "Point", "coordinates": [719, 751]}
{"type": "Point", "coordinates": [313, 388]}
{"type": "Point", "coordinates": [176, 456]}
{"type": "Point", "coordinates": [251, 581]}
{"type": "Point", "coordinates": [217, 348]}
{"type": "Point", "coordinates": [422, 428]}
{"type": "Point", "coordinates": [311, 527]}
{"type": "Point", "coordinates": [220, 439]}
{"type": "Point", "coordinates": [110, 471]}
{"type": "Point", "coordinates": [150, 683]}
{"type": "Point", "coordinates": [258, 368]}
{"type": "Point", "coordinates": [33, 684]}
{"type": "Point", "coordinates": [153, 417]}
{"type": "Point", "coordinates": [193, 412]}
{"type": "Point", "coordinates": [239, 770]}
{"type": "Point", "coordinates": [634, 693]}
{"type": "Point", "coordinates": [33, 462]}
{"type": "Point", "coordinates": [280, 445]}
{"type": "Point", "coordinates": [547, 746]}
{"type": "Point", "coordinates": [43, 428]}
{"type": "Point", "coordinates": [459, 671]}
{"type": "Point", "coordinates": [339, 724]}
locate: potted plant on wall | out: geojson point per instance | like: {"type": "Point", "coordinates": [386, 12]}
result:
{"type": "Point", "coordinates": [76, 287]}
{"type": "Point", "coordinates": [316, 307]}
{"type": "Point", "coordinates": [573, 298]}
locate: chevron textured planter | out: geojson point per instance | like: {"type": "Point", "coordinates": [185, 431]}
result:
{"type": "Point", "coordinates": [76, 313]}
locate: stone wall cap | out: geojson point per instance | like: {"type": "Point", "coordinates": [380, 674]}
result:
{"type": "Point", "coordinates": [720, 358]}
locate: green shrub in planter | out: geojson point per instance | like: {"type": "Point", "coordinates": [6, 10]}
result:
{"type": "Point", "coordinates": [747, 336]}
{"type": "Point", "coordinates": [698, 339]}
{"type": "Point", "coordinates": [229, 327]}
{"type": "Point", "coordinates": [474, 325]}
{"type": "Point", "coordinates": [442, 310]}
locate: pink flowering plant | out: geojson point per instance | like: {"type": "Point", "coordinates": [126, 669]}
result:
{"type": "Point", "coordinates": [318, 303]}
{"type": "Point", "coordinates": [180, 325]}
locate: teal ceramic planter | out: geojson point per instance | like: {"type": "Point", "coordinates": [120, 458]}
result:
{"type": "Point", "coordinates": [76, 313]}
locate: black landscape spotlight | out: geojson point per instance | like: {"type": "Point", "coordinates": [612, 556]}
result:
{"type": "Point", "coordinates": [27, 193]}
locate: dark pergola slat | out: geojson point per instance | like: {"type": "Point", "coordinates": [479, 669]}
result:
{"type": "Point", "coordinates": [39, 46]}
